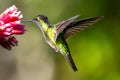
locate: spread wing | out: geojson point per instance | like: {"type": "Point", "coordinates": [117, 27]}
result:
{"type": "Point", "coordinates": [77, 26]}
{"type": "Point", "coordinates": [62, 25]}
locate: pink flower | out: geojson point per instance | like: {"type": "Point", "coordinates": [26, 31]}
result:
{"type": "Point", "coordinates": [9, 26]}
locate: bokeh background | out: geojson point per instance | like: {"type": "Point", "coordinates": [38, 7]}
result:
{"type": "Point", "coordinates": [96, 50]}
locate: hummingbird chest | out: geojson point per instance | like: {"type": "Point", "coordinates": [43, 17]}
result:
{"type": "Point", "coordinates": [51, 34]}
{"type": "Point", "coordinates": [49, 37]}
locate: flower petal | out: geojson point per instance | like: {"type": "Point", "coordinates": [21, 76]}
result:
{"type": "Point", "coordinates": [13, 41]}
{"type": "Point", "coordinates": [18, 29]}
{"type": "Point", "coordinates": [9, 43]}
{"type": "Point", "coordinates": [10, 25]}
{"type": "Point", "coordinates": [6, 45]}
{"type": "Point", "coordinates": [10, 10]}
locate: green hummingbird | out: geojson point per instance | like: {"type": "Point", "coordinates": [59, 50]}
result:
{"type": "Point", "coordinates": [56, 35]}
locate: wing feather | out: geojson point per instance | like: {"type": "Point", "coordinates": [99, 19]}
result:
{"type": "Point", "coordinates": [62, 25]}
{"type": "Point", "coordinates": [77, 26]}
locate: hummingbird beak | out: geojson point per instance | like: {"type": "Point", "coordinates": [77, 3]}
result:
{"type": "Point", "coordinates": [27, 21]}
{"type": "Point", "coordinates": [34, 21]}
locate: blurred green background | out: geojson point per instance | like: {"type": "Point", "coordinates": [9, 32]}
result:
{"type": "Point", "coordinates": [96, 50]}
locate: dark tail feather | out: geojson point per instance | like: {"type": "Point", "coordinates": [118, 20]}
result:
{"type": "Point", "coordinates": [71, 62]}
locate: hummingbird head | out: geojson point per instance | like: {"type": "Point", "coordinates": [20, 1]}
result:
{"type": "Point", "coordinates": [41, 18]}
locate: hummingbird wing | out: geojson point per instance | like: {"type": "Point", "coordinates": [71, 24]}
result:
{"type": "Point", "coordinates": [79, 25]}
{"type": "Point", "coordinates": [62, 25]}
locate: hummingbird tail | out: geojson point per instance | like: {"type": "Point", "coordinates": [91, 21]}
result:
{"type": "Point", "coordinates": [71, 62]}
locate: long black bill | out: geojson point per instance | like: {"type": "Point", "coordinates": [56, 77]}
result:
{"type": "Point", "coordinates": [27, 21]}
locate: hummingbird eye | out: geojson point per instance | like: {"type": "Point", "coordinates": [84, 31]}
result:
{"type": "Point", "coordinates": [43, 17]}
{"type": "Point", "coordinates": [36, 19]}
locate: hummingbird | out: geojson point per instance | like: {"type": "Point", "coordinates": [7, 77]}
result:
{"type": "Point", "coordinates": [56, 35]}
